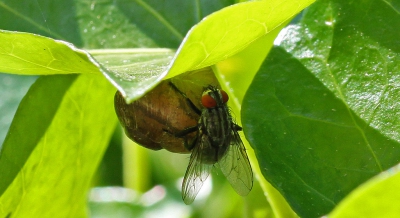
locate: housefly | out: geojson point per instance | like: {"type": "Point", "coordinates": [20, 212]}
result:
{"type": "Point", "coordinates": [218, 143]}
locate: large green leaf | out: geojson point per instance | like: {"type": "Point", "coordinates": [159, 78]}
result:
{"type": "Point", "coordinates": [321, 114]}
{"type": "Point", "coordinates": [54, 145]}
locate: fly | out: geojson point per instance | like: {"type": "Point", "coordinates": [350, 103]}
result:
{"type": "Point", "coordinates": [217, 142]}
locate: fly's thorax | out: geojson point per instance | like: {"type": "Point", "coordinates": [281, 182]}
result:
{"type": "Point", "coordinates": [217, 124]}
{"type": "Point", "coordinates": [216, 121]}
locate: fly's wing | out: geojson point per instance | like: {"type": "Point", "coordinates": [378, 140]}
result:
{"type": "Point", "coordinates": [236, 167]}
{"type": "Point", "coordinates": [197, 172]}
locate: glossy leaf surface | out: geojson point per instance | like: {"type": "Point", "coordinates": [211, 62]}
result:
{"type": "Point", "coordinates": [322, 112]}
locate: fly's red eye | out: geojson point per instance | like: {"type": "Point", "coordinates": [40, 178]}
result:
{"type": "Point", "coordinates": [208, 101]}
{"type": "Point", "coordinates": [225, 96]}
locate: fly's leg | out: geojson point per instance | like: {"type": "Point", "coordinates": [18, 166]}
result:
{"type": "Point", "coordinates": [237, 127]}
{"type": "Point", "coordinates": [183, 134]}
{"type": "Point", "coordinates": [194, 142]}
{"type": "Point", "coordinates": [190, 103]}
{"type": "Point", "coordinates": [186, 131]}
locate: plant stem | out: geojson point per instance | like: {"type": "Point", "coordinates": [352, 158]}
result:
{"type": "Point", "coordinates": [136, 168]}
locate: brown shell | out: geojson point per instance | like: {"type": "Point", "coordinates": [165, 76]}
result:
{"type": "Point", "coordinates": [152, 120]}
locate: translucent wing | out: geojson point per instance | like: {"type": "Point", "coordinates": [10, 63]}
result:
{"type": "Point", "coordinates": [236, 167]}
{"type": "Point", "coordinates": [197, 172]}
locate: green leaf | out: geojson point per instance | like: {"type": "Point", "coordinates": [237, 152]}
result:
{"type": "Point", "coordinates": [134, 71]}
{"type": "Point", "coordinates": [321, 114]}
{"type": "Point", "coordinates": [263, 18]}
{"type": "Point", "coordinates": [167, 23]}
{"type": "Point", "coordinates": [109, 24]}
{"type": "Point", "coordinates": [137, 71]}
{"type": "Point", "coordinates": [43, 17]}
{"type": "Point", "coordinates": [13, 88]}
{"type": "Point", "coordinates": [29, 54]}
{"type": "Point", "coordinates": [378, 197]}
{"type": "Point", "coordinates": [41, 120]}
{"type": "Point", "coordinates": [54, 145]}
{"type": "Point", "coordinates": [230, 30]}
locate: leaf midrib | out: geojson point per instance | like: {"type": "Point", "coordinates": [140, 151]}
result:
{"type": "Point", "coordinates": [160, 18]}
{"type": "Point", "coordinates": [342, 98]}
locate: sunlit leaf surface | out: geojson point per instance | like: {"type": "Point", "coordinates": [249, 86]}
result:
{"type": "Point", "coordinates": [231, 30]}
{"type": "Point", "coordinates": [29, 54]}
{"type": "Point", "coordinates": [52, 154]}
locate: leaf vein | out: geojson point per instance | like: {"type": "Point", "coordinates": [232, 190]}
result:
{"type": "Point", "coordinates": [360, 130]}
{"type": "Point", "coordinates": [160, 18]}
{"type": "Point", "coordinates": [29, 20]}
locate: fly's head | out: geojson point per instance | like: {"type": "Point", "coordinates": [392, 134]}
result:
{"type": "Point", "coordinates": [214, 98]}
